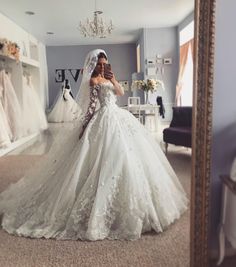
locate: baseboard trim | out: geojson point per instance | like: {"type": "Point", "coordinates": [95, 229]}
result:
{"type": "Point", "coordinates": [18, 144]}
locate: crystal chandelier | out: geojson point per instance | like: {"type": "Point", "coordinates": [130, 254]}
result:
{"type": "Point", "coordinates": [96, 27]}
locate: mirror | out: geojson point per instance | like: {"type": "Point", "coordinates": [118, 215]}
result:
{"type": "Point", "coordinates": [204, 16]}
{"type": "Point", "coordinates": [203, 82]}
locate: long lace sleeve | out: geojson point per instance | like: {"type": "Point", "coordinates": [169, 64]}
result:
{"type": "Point", "coordinates": [92, 105]}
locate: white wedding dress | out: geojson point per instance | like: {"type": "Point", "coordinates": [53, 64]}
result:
{"type": "Point", "coordinates": [33, 113]}
{"type": "Point", "coordinates": [116, 184]}
{"type": "Point", "coordinates": [5, 131]}
{"type": "Point", "coordinates": [11, 106]}
{"type": "Point", "coordinates": [66, 109]}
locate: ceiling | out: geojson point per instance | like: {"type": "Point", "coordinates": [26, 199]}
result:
{"type": "Point", "coordinates": [62, 18]}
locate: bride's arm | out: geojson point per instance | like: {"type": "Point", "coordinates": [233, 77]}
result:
{"type": "Point", "coordinates": [118, 88]}
{"type": "Point", "coordinates": [91, 108]}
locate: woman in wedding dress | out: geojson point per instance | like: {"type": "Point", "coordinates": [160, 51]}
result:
{"type": "Point", "coordinates": [113, 182]}
{"type": "Point", "coordinates": [33, 113]}
{"type": "Point", "coordinates": [66, 109]}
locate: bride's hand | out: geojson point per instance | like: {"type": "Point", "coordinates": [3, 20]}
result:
{"type": "Point", "coordinates": [109, 75]}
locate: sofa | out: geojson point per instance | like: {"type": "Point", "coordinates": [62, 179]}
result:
{"type": "Point", "coordinates": [179, 132]}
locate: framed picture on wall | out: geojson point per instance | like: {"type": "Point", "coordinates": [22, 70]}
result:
{"type": "Point", "coordinates": [23, 49]}
{"type": "Point", "coordinates": [151, 71]}
{"type": "Point", "coordinates": [168, 61]}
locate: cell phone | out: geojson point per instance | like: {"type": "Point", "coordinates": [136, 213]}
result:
{"type": "Point", "coordinates": [107, 67]}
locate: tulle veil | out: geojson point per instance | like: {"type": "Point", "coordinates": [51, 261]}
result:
{"type": "Point", "coordinates": [61, 150]}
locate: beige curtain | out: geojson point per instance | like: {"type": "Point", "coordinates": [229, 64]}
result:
{"type": "Point", "coordinates": [182, 63]}
{"type": "Point", "coordinates": [192, 49]}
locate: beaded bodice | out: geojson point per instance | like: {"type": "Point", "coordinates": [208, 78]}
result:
{"type": "Point", "coordinates": [106, 95]}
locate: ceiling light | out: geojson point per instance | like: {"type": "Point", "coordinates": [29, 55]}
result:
{"type": "Point", "coordinates": [96, 27]}
{"type": "Point", "coordinates": [30, 13]}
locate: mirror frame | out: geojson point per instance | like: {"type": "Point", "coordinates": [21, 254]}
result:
{"type": "Point", "coordinates": [204, 48]}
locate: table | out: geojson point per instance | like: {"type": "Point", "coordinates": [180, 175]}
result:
{"type": "Point", "coordinates": [145, 107]}
{"type": "Point", "coordinates": [227, 220]}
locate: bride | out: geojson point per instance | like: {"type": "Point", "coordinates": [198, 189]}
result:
{"type": "Point", "coordinates": [111, 180]}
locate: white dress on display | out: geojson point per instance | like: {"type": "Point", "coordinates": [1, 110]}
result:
{"type": "Point", "coordinates": [66, 109]}
{"type": "Point", "coordinates": [11, 106]}
{"type": "Point", "coordinates": [5, 131]}
{"type": "Point", "coordinates": [33, 113]}
{"type": "Point", "coordinates": [115, 182]}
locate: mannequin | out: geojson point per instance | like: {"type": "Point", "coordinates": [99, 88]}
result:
{"type": "Point", "coordinates": [67, 86]}
{"type": "Point", "coordinates": [65, 109]}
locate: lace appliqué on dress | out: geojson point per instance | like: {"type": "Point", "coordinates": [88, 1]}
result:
{"type": "Point", "coordinates": [92, 105]}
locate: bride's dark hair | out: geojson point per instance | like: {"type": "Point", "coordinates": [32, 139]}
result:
{"type": "Point", "coordinates": [100, 55]}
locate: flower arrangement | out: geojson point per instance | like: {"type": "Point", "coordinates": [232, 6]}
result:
{"type": "Point", "coordinates": [147, 85]}
{"type": "Point", "coordinates": [9, 48]}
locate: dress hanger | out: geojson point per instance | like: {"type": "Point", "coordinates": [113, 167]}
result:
{"type": "Point", "coordinates": [26, 73]}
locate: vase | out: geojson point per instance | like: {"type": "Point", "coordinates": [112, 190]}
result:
{"type": "Point", "coordinates": [146, 99]}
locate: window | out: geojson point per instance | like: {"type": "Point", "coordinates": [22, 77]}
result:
{"type": "Point", "coordinates": [186, 77]}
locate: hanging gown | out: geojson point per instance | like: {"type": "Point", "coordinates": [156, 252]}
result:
{"type": "Point", "coordinates": [11, 106]}
{"type": "Point", "coordinates": [33, 113]}
{"type": "Point", "coordinates": [115, 182]}
{"type": "Point", "coordinates": [66, 109]}
{"type": "Point", "coordinates": [5, 132]}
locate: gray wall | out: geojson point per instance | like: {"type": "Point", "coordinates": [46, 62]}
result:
{"type": "Point", "coordinates": [224, 107]}
{"type": "Point", "coordinates": [121, 56]}
{"type": "Point", "coordinates": [164, 41]}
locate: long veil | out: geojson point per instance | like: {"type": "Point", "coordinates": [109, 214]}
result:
{"type": "Point", "coordinates": [83, 96]}
{"type": "Point", "coordinates": [59, 161]}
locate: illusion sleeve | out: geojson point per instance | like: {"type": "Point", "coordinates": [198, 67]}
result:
{"type": "Point", "coordinates": [92, 105]}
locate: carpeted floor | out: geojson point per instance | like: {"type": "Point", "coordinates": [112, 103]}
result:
{"type": "Point", "coordinates": [169, 249]}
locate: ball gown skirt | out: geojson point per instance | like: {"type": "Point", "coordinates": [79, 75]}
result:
{"type": "Point", "coordinates": [11, 106]}
{"type": "Point", "coordinates": [114, 183]}
{"type": "Point", "coordinates": [33, 112]}
{"type": "Point", "coordinates": [65, 110]}
{"type": "Point", "coordinates": [5, 132]}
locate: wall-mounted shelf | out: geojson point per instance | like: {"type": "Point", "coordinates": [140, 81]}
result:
{"type": "Point", "coordinates": [23, 60]}
{"type": "Point", "coordinates": [7, 57]}
{"type": "Point", "coordinates": [32, 60]}
{"type": "Point", "coordinates": [29, 61]}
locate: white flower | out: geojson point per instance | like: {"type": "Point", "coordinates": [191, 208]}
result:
{"type": "Point", "coordinates": [147, 85]}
